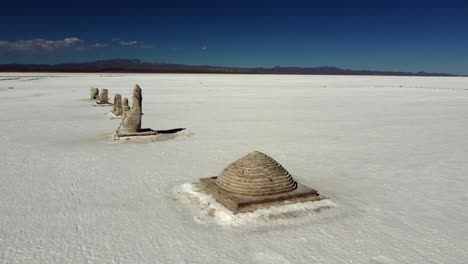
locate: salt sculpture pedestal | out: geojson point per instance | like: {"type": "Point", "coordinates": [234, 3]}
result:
{"type": "Point", "coordinates": [103, 104]}
{"type": "Point", "coordinates": [256, 181]}
{"type": "Point", "coordinates": [144, 132]}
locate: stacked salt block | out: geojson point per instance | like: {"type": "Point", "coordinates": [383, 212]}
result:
{"type": "Point", "coordinates": [256, 181]}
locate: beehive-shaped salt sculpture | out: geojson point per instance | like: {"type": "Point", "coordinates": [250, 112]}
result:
{"type": "Point", "coordinates": [255, 181]}
{"type": "Point", "coordinates": [256, 174]}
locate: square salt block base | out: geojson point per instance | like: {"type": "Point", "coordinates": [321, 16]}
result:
{"type": "Point", "coordinates": [145, 132]}
{"type": "Point", "coordinates": [98, 104]}
{"type": "Point", "coordinates": [243, 203]}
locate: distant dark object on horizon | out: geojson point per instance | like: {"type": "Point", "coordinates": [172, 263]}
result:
{"type": "Point", "coordinates": [137, 66]}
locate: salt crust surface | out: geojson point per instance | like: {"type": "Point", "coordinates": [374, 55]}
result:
{"type": "Point", "coordinates": [389, 152]}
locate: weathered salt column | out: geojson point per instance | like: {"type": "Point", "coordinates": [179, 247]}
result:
{"type": "Point", "coordinates": [117, 108]}
{"type": "Point", "coordinates": [132, 120]}
{"type": "Point", "coordinates": [94, 94]}
{"type": "Point", "coordinates": [256, 181]}
{"type": "Point", "coordinates": [104, 98]}
{"type": "Point", "coordinates": [125, 106]}
{"type": "Point", "coordinates": [131, 123]}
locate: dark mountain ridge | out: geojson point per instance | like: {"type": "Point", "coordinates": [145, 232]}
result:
{"type": "Point", "coordinates": [138, 66]}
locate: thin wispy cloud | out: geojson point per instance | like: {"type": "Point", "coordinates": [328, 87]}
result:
{"type": "Point", "coordinates": [132, 43]}
{"type": "Point", "coordinates": [128, 43]}
{"type": "Point", "coordinates": [66, 44]}
{"type": "Point", "coordinates": [101, 45]}
{"type": "Point", "coordinates": [40, 44]}
{"type": "Point", "coordinates": [143, 46]}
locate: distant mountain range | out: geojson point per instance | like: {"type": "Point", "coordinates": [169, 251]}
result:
{"type": "Point", "coordinates": [137, 66]}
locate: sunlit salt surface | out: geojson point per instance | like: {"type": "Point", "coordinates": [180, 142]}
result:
{"type": "Point", "coordinates": [389, 152]}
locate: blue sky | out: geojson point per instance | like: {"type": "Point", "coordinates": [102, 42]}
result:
{"type": "Point", "coordinates": [378, 35]}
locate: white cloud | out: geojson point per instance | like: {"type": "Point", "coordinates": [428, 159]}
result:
{"type": "Point", "coordinates": [41, 44]}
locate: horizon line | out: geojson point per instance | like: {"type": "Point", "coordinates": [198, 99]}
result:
{"type": "Point", "coordinates": [420, 72]}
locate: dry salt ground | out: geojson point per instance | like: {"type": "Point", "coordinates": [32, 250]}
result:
{"type": "Point", "coordinates": [390, 152]}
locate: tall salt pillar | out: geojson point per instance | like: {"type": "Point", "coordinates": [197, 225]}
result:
{"type": "Point", "coordinates": [104, 98]}
{"type": "Point", "coordinates": [125, 106]}
{"type": "Point", "coordinates": [132, 119]}
{"type": "Point", "coordinates": [117, 108]}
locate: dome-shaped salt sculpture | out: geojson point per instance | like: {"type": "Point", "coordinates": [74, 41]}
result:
{"type": "Point", "coordinates": [256, 181]}
{"type": "Point", "coordinates": [256, 174]}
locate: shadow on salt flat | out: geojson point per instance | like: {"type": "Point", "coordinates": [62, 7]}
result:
{"type": "Point", "coordinates": [208, 211]}
{"type": "Point", "coordinates": [163, 135]}
{"type": "Point", "coordinates": [106, 139]}
{"type": "Point", "coordinates": [7, 88]}
{"type": "Point", "coordinates": [10, 79]}
{"type": "Point", "coordinates": [33, 79]}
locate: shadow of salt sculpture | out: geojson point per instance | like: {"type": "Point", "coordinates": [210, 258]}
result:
{"type": "Point", "coordinates": [256, 181]}
{"type": "Point", "coordinates": [103, 99]}
{"type": "Point", "coordinates": [94, 94]}
{"type": "Point", "coordinates": [117, 109]}
{"type": "Point", "coordinates": [131, 120]}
